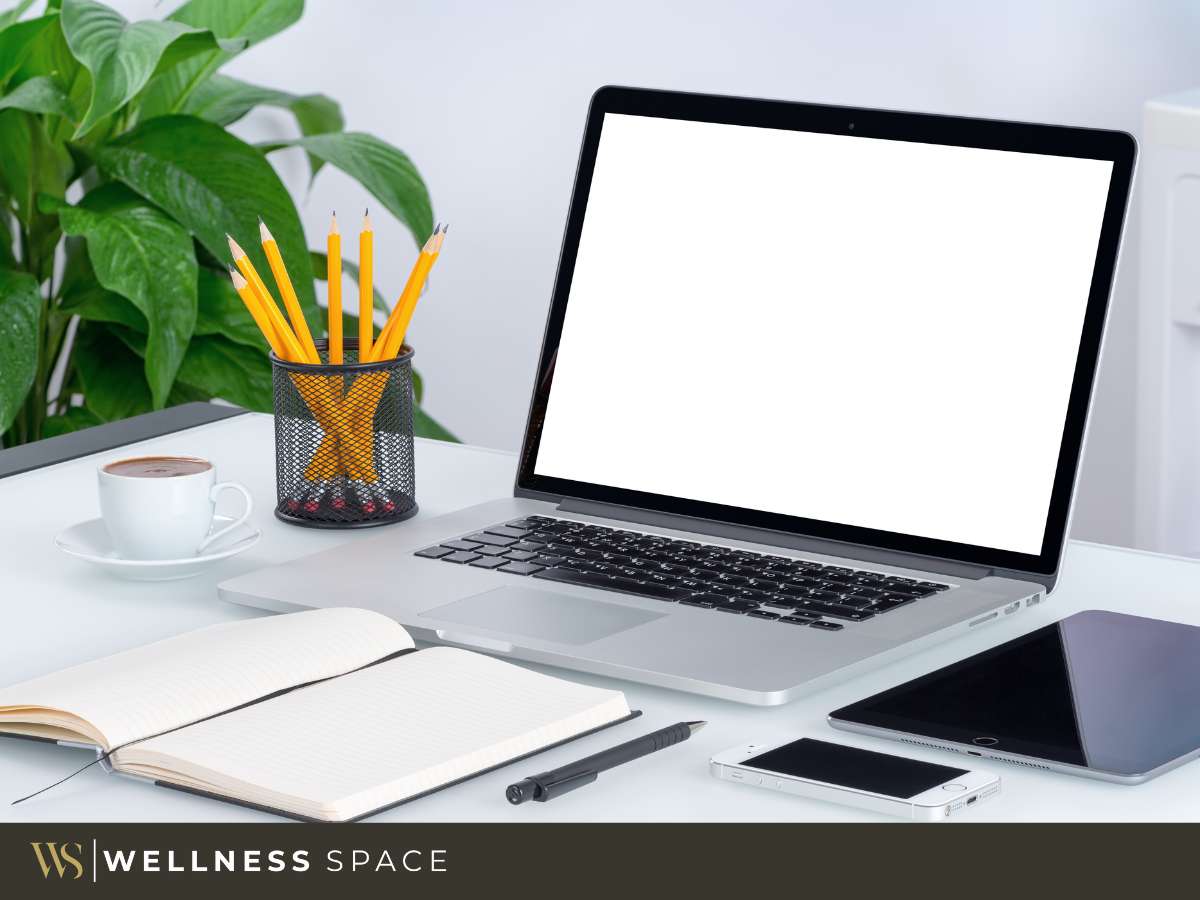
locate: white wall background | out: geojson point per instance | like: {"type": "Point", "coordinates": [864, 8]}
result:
{"type": "Point", "coordinates": [489, 97]}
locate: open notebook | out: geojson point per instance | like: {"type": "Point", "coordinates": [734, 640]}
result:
{"type": "Point", "coordinates": [297, 713]}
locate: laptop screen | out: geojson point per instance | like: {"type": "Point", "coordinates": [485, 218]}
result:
{"type": "Point", "coordinates": [875, 333]}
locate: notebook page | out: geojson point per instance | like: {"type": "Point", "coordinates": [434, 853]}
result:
{"type": "Point", "coordinates": [349, 746]}
{"type": "Point", "coordinates": [162, 685]}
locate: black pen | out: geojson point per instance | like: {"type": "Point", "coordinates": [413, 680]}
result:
{"type": "Point", "coordinates": [556, 782]}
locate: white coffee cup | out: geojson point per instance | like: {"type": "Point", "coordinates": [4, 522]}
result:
{"type": "Point", "coordinates": [162, 507]}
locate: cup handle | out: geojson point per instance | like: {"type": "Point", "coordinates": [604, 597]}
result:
{"type": "Point", "coordinates": [216, 489]}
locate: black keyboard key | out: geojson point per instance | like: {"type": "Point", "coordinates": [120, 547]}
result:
{"type": "Point", "coordinates": [529, 545]}
{"type": "Point", "coordinates": [826, 626]}
{"type": "Point", "coordinates": [739, 605]}
{"type": "Point", "coordinates": [760, 614]}
{"type": "Point", "coordinates": [890, 602]}
{"type": "Point", "coordinates": [725, 590]}
{"type": "Point", "coordinates": [461, 556]}
{"type": "Point", "coordinates": [494, 539]}
{"type": "Point", "coordinates": [624, 585]}
{"type": "Point", "coordinates": [488, 550]}
{"type": "Point", "coordinates": [461, 545]}
{"type": "Point", "coordinates": [825, 596]}
{"type": "Point", "coordinates": [521, 568]}
{"type": "Point", "coordinates": [585, 553]}
{"type": "Point", "coordinates": [798, 620]}
{"type": "Point", "coordinates": [505, 531]}
{"type": "Point", "coordinates": [730, 609]}
{"type": "Point", "coordinates": [774, 575]}
{"type": "Point", "coordinates": [525, 523]}
{"type": "Point", "coordinates": [548, 560]}
{"type": "Point", "coordinates": [870, 592]}
{"type": "Point", "coordinates": [845, 613]}
{"type": "Point", "coordinates": [755, 592]}
{"type": "Point", "coordinates": [855, 601]}
{"type": "Point", "coordinates": [487, 562]}
{"type": "Point", "coordinates": [520, 555]}
{"type": "Point", "coordinates": [692, 601]}
{"type": "Point", "coordinates": [733, 579]}
{"type": "Point", "coordinates": [434, 552]}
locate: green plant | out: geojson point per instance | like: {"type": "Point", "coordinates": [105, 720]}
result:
{"type": "Point", "coordinates": [121, 296]}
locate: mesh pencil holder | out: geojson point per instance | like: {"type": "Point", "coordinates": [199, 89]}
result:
{"type": "Point", "coordinates": [344, 440]}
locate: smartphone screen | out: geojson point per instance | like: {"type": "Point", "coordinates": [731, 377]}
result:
{"type": "Point", "coordinates": [851, 767]}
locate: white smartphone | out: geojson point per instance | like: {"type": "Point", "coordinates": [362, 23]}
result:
{"type": "Point", "coordinates": [855, 777]}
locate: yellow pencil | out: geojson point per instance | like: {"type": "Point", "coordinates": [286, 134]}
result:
{"type": "Point", "coordinates": [278, 323]}
{"type": "Point", "coordinates": [333, 252]}
{"type": "Point", "coordinates": [242, 286]}
{"type": "Point", "coordinates": [366, 287]}
{"type": "Point", "coordinates": [407, 304]}
{"type": "Point", "coordinates": [290, 300]}
{"type": "Point", "coordinates": [408, 297]}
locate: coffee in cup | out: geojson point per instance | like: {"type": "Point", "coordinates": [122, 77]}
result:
{"type": "Point", "coordinates": [162, 507]}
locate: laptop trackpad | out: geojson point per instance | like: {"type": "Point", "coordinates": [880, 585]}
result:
{"type": "Point", "coordinates": [541, 614]}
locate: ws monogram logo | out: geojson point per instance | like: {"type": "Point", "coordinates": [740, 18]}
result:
{"type": "Point", "coordinates": [60, 858]}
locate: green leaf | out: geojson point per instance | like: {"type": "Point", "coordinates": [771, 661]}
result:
{"type": "Point", "coordinates": [122, 57]}
{"type": "Point", "coordinates": [138, 252]}
{"type": "Point", "coordinates": [49, 56]}
{"type": "Point", "coordinates": [224, 100]}
{"type": "Point", "coordinates": [38, 95]}
{"type": "Point", "coordinates": [20, 312]}
{"type": "Point", "coordinates": [11, 15]}
{"type": "Point", "coordinates": [17, 41]}
{"type": "Point", "coordinates": [251, 20]}
{"type": "Point", "coordinates": [32, 163]}
{"type": "Point", "coordinates": [95, 304]}
{"type": "Point", "coordinates": [114, 386]}
{"type": "Point", "coordinates": [320, 264]}
{"type": "Point", "coordinates": [233, 372]}
{"type": "Point", "coordinates": [221, 311]}
{"type": "Point", "coordinates": [7, 260]}
{"type": "Point", "coordinates": [213, 183]}
{"type": "Point", "coordinates": [76, 418]}
{"type": "Point", "coordinates": [383, 170]}
{"type": "Point", "coordinates": [424, 425]}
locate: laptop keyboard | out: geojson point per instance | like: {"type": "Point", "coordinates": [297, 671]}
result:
{"type": "Point", "coordinates": [739, 582]}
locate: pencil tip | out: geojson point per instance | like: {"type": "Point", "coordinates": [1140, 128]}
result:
{"type": "Point", "coordinates": [263, 231]}
{"type": "Point", "coordinates": [234, 247]}
{"type": "Point", "coordinates": [693, 727]}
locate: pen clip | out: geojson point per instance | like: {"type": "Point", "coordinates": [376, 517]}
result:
{"type": "Point", "coordinates": [551, 789]}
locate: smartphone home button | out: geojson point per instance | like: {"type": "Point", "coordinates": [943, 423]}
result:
{"type": "Point", "coordinates": [954, 787]}
{"type": "Point", "coordinates": [985, 741]}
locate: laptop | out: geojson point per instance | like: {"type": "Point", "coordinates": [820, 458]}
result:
{"type": "Point", "coordinates": [811, 395]}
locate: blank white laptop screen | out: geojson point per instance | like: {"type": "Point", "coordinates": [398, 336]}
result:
{"type": "Point", "coordinates": [868, 332]}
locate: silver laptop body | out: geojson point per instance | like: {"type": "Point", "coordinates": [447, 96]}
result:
{"type": "Point", "coordinates": [754, 603]}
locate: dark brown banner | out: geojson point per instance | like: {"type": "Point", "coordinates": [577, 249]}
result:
{"type": "Point", "coordinates": [742, 862]}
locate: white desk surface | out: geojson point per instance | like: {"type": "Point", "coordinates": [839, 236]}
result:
{"type": "Point", "coordinates": [56, 611]}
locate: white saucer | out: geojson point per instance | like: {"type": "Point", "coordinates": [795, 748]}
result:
{"type": "Point", "coordinates": [89, 541]}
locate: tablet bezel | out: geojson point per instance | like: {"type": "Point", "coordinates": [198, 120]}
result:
{"type": "Point", "coordinates": [858, 717]}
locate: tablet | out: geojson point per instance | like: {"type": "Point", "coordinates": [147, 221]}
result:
{"type": "Point", "coordinates": [1100, 694]}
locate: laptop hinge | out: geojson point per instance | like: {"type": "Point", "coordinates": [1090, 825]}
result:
{"type": "Point", "coordinates": [782, 539]}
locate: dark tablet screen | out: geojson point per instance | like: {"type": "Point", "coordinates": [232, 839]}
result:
{"type": "Point", "coordinates": [1115, 693]}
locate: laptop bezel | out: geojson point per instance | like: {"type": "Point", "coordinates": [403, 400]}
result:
{"type": "Point", "coordinates": [1116, 147]}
